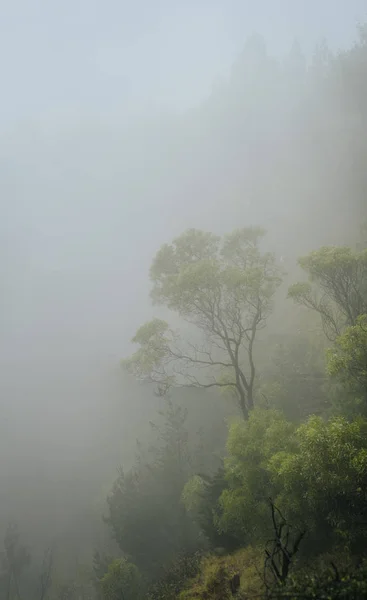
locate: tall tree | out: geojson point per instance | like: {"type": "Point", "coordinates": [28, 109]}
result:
{"type": "Point", "coordinates": [122, 581]}
{"type": "Point", "coordinates": [347, 360]}
{"type": "Point", "coordinates": [223, 290]}
{"type": "Point", "coordinates": [337, 287]}
{"type": "Point", "coordinates": [147, 517]}
{"type": "Point", "coordinates": [201, 496]}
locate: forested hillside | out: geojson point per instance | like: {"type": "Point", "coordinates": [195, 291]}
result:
{"type": "Point", "coordinates": [245, 379]}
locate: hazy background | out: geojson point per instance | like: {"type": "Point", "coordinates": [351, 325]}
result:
{"type": "Point", "coordinates": [113, 140]}
{"type": "Point", "coordinates": [102, 59]}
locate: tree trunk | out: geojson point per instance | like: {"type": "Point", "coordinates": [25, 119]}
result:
{"type": "Point", "coordinates": [243, 403]}
{"type": "Point", "coordinates": [250, 399]}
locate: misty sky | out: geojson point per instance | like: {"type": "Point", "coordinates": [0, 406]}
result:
{"type": "Point", "coordinates": [88, 56]}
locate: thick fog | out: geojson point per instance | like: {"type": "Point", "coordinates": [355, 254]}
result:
{"type": "Point", "coordinates": [120, 128]}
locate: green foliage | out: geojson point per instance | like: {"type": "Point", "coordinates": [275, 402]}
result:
{"type": "Point", "coordinates": [337, 286]}
{"type": "Point", "coordinates": [201, 496]}
{"type": "Point", "coordinates": [101, 562]}
{"type": "Point", "coordinates": [146, 514]}
{"type": "Point", "coordinates": [325, 584]}
{"type": "Point", "coordinates": [251, 445]}
{"type": "Point", "coordinates": [316, 472]}
{"type": "Point", "coordinates": [154, 338]}
{"type": "Point", "coordinates": [319, 579]}
{"type": "Point", "coordinates": [215, 584]}
{"type": "Point", "coordinates": [192, 493]}
{"type": "Point", "coordinates": [224, 289]}
{"type": "Point", "coordinates": [175, 577]}
{"type": "Point", "coordinates": [216, 574]}
{"type": "Point", "coordinates": [122, 580]}
{"type": "Point", "coordinates": [323, 482]}
{"type": "Point", "coordinates": [293, 378]}
{"type": "Point", "coordinates": [347, 360]}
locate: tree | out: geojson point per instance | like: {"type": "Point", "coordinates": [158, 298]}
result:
{"type": "Point", "coordinates": [147, 517]}
{"type": "Point", "coordinates": [337, 287]}
{"type": "Point", "coordinates": [175, 577]}
{"type": "Point", "coordinates": [201, 496]}
{"type": "Point", "coordinates": [281, 550]}
{"type": "Point", "coordinates": [323, 481]}
{"type": "Point", "coordinates": [101, 562]}
{"type": "Point", "coordinates": [347, 360]}
{"type": "Point", "coordinates": [122, 581]}
{"type": "Point", "coordinates": [223, 290]}
{"type": "Point", "coordinates": [251, 445]}
{"type": "Point", "coordinates": [293, 378]}
{"type": "Point", "coordinates": [324, 582]}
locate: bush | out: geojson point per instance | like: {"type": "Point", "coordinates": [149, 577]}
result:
{"type": "Point", "coordinates": [349, 584]}
{"type": "Point", "coordinates": [175, 577]}
{"type": "Point", "coordinates": [220, 577]}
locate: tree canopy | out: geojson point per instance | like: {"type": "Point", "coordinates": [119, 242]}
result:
{"type": "Point", "coordinates": [222, 288]}
{"type": "Point", "coordinates": [337, 287]}
{"type": "Point", "coordinates": [347, 359]}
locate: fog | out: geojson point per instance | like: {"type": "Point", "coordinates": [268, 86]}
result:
{"type": "Point", "coordinates": [120, 128]}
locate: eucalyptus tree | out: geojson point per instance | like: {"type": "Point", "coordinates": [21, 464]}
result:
{"type": "Point", "coordinates": [222, 289]}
